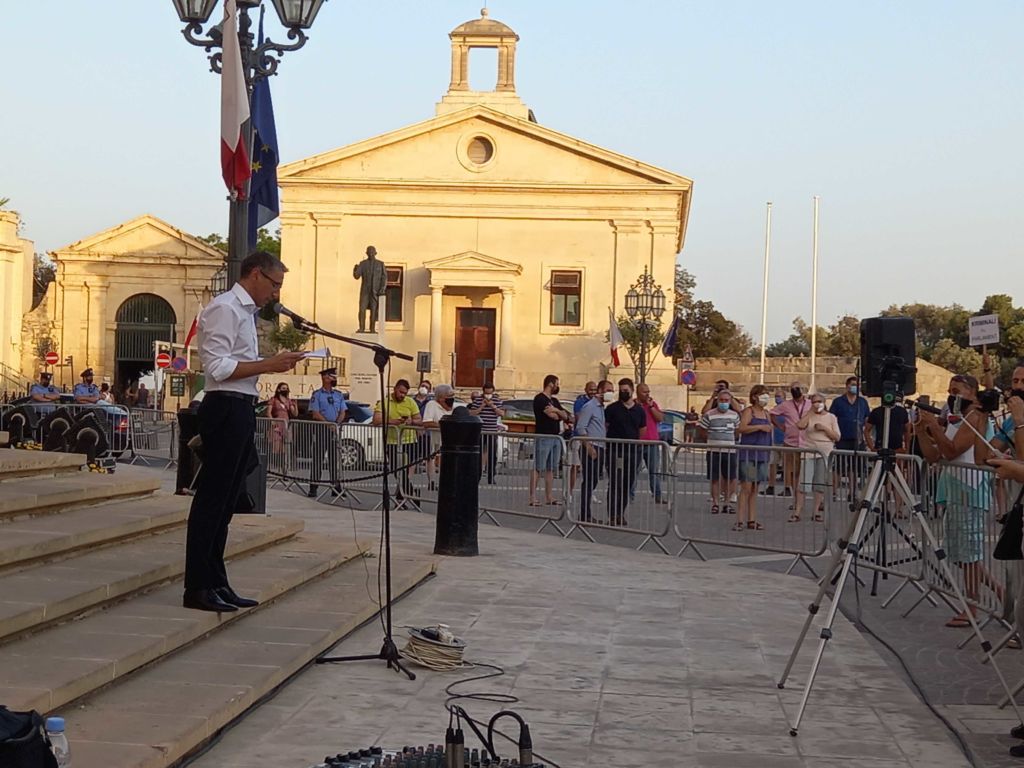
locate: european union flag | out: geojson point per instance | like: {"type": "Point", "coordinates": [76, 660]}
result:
{"type": "Point", "coordinates": [668, 346]}
{"type": "Point", "coordinates": [264, 206]}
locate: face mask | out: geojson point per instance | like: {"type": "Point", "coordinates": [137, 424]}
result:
{"type": "Point", "coordinates": [796, 393]}
{"type": "Point", "coordinates": [423, 391]}
{"type": "Point", "coordinates": [958, 404]}
{"type": "Point", "coordinates": [852, 389]}
{"type": "Point", "coordinates": [449, 401]}
{"type": "Point", "coordinates": [556, 390]}
{"type": "Point", "coordinates": [779, 399]}
{"type": "Point", "coordinates": [1017, 393]}
{"type": "Point", "coordinates": [763, 400]}
{"type": "Point", "coordinates": [608, 396]}
{"type": "Point", "coordinates": [283, 393]}
{"type": "Point", "coordinates": [723, 407]}
{"type": "Point", "coordinates": [331, 382]}
{"type": "Point", "coordinates": [625, 395]}
{"type": "Point", "coordinates": [819, 407]}
{"type": "Point", "coordinates": [88, 380]}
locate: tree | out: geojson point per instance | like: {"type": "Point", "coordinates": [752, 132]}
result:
{"type": "Point", "coordinates": [708, 332]}
{"type": "Point", "coordinates": [265, 241]}
{"type": "Point", "coordinates": [3, 202]}
{"type": "Point", "coordinates": [217, 241]}
{"type": "Point", "coordinates": [632, 339]}
{"type": "Point", "coordinates": [933, 323]}
{"type": "Point", "coordinates": [951, 356]}
{"type": "Point", "coordinates": [287, 336]}
{"type": "Point", "coordinates": [44, 272]}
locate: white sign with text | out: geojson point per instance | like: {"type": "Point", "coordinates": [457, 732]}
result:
{"type": "Point", "coordinates": [984, 329]}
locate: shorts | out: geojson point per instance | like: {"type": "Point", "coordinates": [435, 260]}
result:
{"type": "Point", "coordinates": [721, 465]}
{"type": "Point", "coordinates": [574, 452]}
{"type": "Point", "coordinates": [965, 533]}
{"type": "Point", "coordinates": [753, 472]}
{"type": "Point", "coordinates": [547, 453]}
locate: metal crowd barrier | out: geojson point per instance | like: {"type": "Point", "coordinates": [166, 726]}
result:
{"type": "Point", "coordinates": [154, 436]}
{"type": "Point", "coordinates": [622, 485]}
{"type": "Point", "coordinates": [780, 523]}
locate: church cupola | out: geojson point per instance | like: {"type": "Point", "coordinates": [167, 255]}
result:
{"type": "Point", "coordinates": [484, 32]}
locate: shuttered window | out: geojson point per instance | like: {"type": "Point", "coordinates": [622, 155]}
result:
{"type": "Point", "coordinates": [566, 295]}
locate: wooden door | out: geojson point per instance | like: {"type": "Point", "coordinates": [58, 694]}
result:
{"type": "Point", "coordinates": [474, 341]}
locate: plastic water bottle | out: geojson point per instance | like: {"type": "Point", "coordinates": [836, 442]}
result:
{"type": "Point", "coordinates": [58, 741]}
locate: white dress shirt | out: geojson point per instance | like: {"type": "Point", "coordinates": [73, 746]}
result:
{"type": "Point", "coordinates": [227, 337]}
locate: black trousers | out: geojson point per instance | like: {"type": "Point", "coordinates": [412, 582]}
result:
{"type": "Point", "coordinates": [324, 442]}
{"type": "Point", "coordinates": [591, 476]}
{"type": "Point", "coordinates": [622, 467]}
{"type": "Point", "coordinates": [489, 452]}
{"type": "Point", "coordinates": [227, 426]}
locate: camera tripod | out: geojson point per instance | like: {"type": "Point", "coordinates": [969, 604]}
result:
{"type": "Point", "coordinates": [883, 472]}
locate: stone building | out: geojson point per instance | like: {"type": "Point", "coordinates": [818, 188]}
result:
{"type": "Point", "coordinates": [117, 292]}
{"type": "Point", "coordinates": [16, 255]}
{"type": "Point", "coordinates": [504, 240]}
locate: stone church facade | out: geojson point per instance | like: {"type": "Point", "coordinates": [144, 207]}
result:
{"type": "Point", "coordinates": [504, 240]}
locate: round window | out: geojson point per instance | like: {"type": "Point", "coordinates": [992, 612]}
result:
{"type": "Point", "coordinates": [480, 150]}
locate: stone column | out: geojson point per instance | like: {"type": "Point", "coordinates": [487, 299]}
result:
{"type": "Point", "coordinates": [505, 337]}
{"type": "Point", "coordinates": [97, 344]}
{"type": "Point", "coordinates": [436, 325]}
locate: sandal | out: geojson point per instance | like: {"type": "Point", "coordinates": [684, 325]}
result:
{"type": "Point", "coordinates": [728, 510]}
{"type": "Point", "coordinates": [739, 526]}
{"type": "Point", "coordinates": [755, 525]}
{"type": "Point", "coordinates": [793, 519]}
{"type": "Point", "coordinates": [959, 621]}
{"type": "Point", "coordinates": [819, 518]}
{"type": "Point", "coordinates": [714, 509]}
{"type": "Point", "coordinates": [536, 504]}
{"type": "Point", "coordinates": [555, 503]}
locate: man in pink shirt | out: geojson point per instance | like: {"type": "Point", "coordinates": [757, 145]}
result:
{"type": "Point", "coordinates": [785, 416]}
{"type": "Point", "coordinates": [651, 454]}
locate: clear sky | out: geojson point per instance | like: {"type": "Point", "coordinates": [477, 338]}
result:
{"type": "Point", "coordinates": [907, 118]}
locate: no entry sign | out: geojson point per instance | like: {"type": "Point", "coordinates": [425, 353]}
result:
{"type": "Point", "coordinates": [52, 358]}
{"type": "Point", "coordinates": [163, 360]}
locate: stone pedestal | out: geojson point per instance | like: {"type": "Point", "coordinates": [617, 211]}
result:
{"type": "Point", "coordinates": [363, 382]}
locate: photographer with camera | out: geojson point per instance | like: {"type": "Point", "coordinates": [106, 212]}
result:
{"type": "Point", "coordinates": [965, 494]}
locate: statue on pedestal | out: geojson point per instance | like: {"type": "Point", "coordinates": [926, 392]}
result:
{"type": "Point", "coordinates": [375, 283]}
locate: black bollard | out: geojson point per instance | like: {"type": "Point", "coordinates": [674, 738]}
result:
{"type": "Point", "coordinates": [458, 502]}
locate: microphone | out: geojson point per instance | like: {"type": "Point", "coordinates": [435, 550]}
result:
{"type": "Point", "coordinates": [297, 319]}
{"type": "Point", "coordinates": [923, 406]}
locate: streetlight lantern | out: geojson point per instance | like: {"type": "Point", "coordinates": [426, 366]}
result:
{"type": "Point", "coordinates": [297, 13]}
{"type": "Point", "coordinates": [645, 304]}
{"type": "Point", "coordinates": [194, 11]}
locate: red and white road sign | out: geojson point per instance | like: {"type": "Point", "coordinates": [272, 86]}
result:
{"type": "Point", "coordinates": [52, 358]}
{"type": "Point", "coordinates": [163, 360]}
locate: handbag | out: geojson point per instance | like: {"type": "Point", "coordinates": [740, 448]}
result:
{"type": "Point", "coordinates": [23, 741]}
{"type": "Point", "coordinates": [1008, 546]}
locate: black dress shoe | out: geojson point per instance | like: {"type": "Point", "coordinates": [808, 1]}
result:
{"type": "Point", "coordinates": [206, 600]}
{"type": "Point", "coordinates": [311, 493]}
{"type": "Point", "coordinates": [1018, 731]}
{"type": "Point", "coordinates": [227, 595]}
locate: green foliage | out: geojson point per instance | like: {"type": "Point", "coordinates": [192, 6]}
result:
{"type": "Point", "coordinates": [287, 336]}
{"type": "Point", "coordinates": [44, 343]}
{"type": "Point", "coordinates": [951, 356]}
{"type": "Point", "coordinates": [708, 332]}
{"type": "Point", "coordinates": [632, 339]}
{"type": "Point", "coordinates": [217, 241]}
{"type": "Point", "coordinates": [3, 202]}
{"type": "Point", "coordinates": [265, 241]}
{"type": "Point", "coordinates": [44, 272]}
{"type": "Point", "coordinates": [841, 339]}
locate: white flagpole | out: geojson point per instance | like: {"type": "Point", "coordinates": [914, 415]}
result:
{"type": "Point", "coordinates": [814, 298]}
{"type": "Point", "coordinates": [764, 295]}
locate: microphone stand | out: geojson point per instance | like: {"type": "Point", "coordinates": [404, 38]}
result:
{"type": "Point", "coordinates": [381, 357]}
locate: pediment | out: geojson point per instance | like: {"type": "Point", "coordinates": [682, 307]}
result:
{"type": "Point", "coordinates": [525, 153]}
{"type": "Point", "coordinates": [146, 237]}
{"type": "Point", "coordinates": [471, 261]}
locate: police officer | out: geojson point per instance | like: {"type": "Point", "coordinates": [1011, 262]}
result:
{"type": "Point", "coordinates": [44, 394]}
{"type": "Point", "coordinates": [87, 393]}
{"type": "Point", "coordinates": [326, 404]}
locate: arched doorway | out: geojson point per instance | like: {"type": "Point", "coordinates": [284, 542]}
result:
{"type": "Point", "coordinates": [141, 320]}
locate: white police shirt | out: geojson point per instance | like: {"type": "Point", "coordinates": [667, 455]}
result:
{"type": "Point", "coordinates": [227, 337]}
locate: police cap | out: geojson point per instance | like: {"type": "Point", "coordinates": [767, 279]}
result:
{"type": "Point", "coordinates": [329, 372]}
{"type": "Point", "coordinates": [86, 372]}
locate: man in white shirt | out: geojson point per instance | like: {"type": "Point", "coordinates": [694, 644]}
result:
{"type": "Point", "coordinates": [227, 423]}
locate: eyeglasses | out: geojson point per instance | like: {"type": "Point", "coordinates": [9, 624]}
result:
{"type": "Point", "coordinates": [276, 283]}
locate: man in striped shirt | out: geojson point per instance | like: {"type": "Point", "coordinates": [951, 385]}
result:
{"type": "Point", "coordinates": [488, 406]}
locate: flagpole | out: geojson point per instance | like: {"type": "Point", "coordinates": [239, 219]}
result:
{"type": "Point", "coordinates": [814, 298]}
{"type": "Point", "coordinates": [764, 293]}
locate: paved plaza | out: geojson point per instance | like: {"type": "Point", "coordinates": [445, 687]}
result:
{"type": "Point", "coordinates": [617, 657]}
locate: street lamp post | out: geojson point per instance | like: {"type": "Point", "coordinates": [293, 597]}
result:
{"type": "Point", "coordinates": [645, 304]}
{"type": "Point", "coordinates": [257, 61]}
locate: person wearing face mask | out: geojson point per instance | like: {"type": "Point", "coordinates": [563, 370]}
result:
{"type": "Point", "coordinates": [712, 402]}
{"type": "Point", "coordinates": [437, 408]}
{"type": "Point", "coordinates": [548, 416]}
{"type": "Point", "coordinates": [755, 429]}
{"type": "Point", "coordinates": [625, 420]}
{"type": "Point", "coordinates": [590, 425]}
{"type": "Point", "coordinates": [490, 408]}
{"type": "Point", "coordinates": [651, 454]}
{"type": "Point", "coordinates": [424, 394]}
{"type": "Point", "coordinates": [282, 408]}
{"type": "Point", "coordinates": [86, 393]}
{"type": "Point", "coordinates": [821, 430]}
{"type": "Point", "coordinates": [326, 405]}
{"type": "Point", "coordinates": [851, 411]}
{"type": "Point", "coordinates": [963, 495]}
{"type": "Point", "coordinates": [785, 416]}
{"type": "Point", "coordinates": [718, 428]}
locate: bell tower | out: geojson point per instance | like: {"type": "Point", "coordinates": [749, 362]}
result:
{"type": "Point", "coordinates": [484, 32]}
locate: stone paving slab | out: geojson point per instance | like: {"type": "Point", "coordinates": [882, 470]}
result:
{"type": "Point", "coordinates": [18, 463]}
{"type": "Point", "coordinates": [48, 592]}
{"type": "Point", "coordinates": [622, 657]}
{"type": "Point", "coordinates": [52, 494]}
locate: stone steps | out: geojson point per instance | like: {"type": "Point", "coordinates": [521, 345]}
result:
{"type": "Point", "coordinates": [40, 595]}
{"type": "Point", "coordinates": [45, 671]}
{"type": "Point", "coordinates": [26, 539]}
{"type": "Point", "coordinates": [17, 464]}
{"type": "Point", "coordinates": [43, 495]}
{"type": "Point", "coordinates": [161, 713]}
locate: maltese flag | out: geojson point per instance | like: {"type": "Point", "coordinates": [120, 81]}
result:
{"type": "Point", "coordinates": [234, 107]}
{"type": "Point", "coordinates": [194, 328]}
{"type": "Point", "coordinates": [614, 337]}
